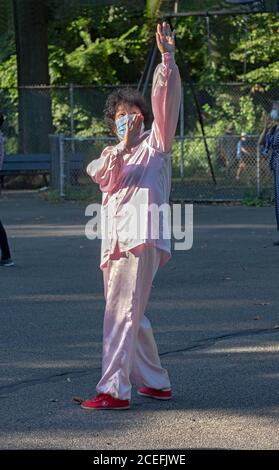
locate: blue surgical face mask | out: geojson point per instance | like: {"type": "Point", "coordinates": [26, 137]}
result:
{"type": "Point", "coordinates": [121, 125]}
{"type": "Point", "coordinates": [274, 115]}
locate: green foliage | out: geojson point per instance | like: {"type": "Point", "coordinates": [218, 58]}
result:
{"type": "Point", "coordinates": [90, 63]}
{"type": "Point", "coordinates": [264, 199]}
{"type": "Point", "coordinates": [261, 47]}
{"type": "Point", "coordinates": [9, 102]}
{"type": "Point", "coordinates": [243, 113]}
{"type": "Point", "coordinates": [6, 29]}
{"type": "Point", "coordinates": [109, 43]}
{"type": "Point", "coordinates": [98, 48]}
{"type": "Point", "coordinates": [8, 75]}
{"type": "Point", "coordinates": [88, 193]}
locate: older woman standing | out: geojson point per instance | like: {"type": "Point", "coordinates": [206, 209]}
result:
{"type": "Point", "coordinates": [135, 174]}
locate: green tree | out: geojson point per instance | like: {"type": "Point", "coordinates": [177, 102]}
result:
{"type": "Point", "coordinates": [30, 18]}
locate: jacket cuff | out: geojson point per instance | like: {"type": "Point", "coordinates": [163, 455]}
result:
{"type": "Point", "coordinates": [168, 58]}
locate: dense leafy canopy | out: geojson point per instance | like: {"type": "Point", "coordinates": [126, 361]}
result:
{"type": "Point", "coordinates": [109, 44]}
{"type": "Point", "coordinates": [94, 43]}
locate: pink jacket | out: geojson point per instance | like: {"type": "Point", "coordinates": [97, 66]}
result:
{"type": "Point", "coordinates": [131, 182]}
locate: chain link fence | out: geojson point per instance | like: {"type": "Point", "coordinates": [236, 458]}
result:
{"type": "Point", "coordinates": [236, 174]}
{"type": "Point", "coordinates": [76, 112]}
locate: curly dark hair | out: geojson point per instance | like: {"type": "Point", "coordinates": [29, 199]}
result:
{"type": "Point", "coordinates": [124, 95]}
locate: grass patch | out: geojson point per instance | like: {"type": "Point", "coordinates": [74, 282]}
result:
{"type": "Point", "coordinates": [88, 193]}
{"type": "Point", "coordinates": [264, 199]}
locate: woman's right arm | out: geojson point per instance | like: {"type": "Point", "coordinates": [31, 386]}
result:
{"type": "Point", "coordinates": [105, 170]}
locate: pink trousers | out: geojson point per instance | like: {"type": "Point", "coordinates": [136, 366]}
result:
{"type": "Point", "coordinates": [130, 353]}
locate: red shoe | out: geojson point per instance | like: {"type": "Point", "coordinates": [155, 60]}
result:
{"type": "Point", "coordinates": [103, 401]}
{"type": "Point", "coordinates": [155, 393]}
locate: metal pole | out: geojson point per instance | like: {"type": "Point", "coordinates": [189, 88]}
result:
{"type": "Point", "coordinates": [61, 165]}
{"type": "Point", "coordinates": [153, 56]}
{"type": "Point", "coordinates": [245, 50]}
{"type": "Point", "coordinates": [72, 104]}
{"type": "Point", "coordinates": [145, 67]}
{"type": "Point", "coordinates": [207, 25]}
{"type": "Point", "coordinates": [72, 120]}
{"type": "Point", "coordinates": [182, 132]}
{"type": "Point", "coordinates": [224, 12]}
{"type": "Point", "coordinates": [258, 171]}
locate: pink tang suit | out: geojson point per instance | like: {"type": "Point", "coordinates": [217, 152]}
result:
{"type": "Point", "coordinates": [134, 243]}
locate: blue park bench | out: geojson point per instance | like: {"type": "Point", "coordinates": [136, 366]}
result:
{"type": "Point", "coordinates": [37, 163]}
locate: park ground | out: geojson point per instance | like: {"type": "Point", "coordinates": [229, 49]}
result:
{"type": "Point", "coordinates": [215, 315]}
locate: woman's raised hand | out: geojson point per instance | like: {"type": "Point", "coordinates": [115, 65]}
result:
{"type": "Point", "coordinates": [165, 38]}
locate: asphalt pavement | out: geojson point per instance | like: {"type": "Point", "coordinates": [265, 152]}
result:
{"type": "Point", "coordinates": [215, 315]}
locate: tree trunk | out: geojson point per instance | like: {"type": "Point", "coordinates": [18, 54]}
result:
{"type": "Point", "coordinates": [35, 121]}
